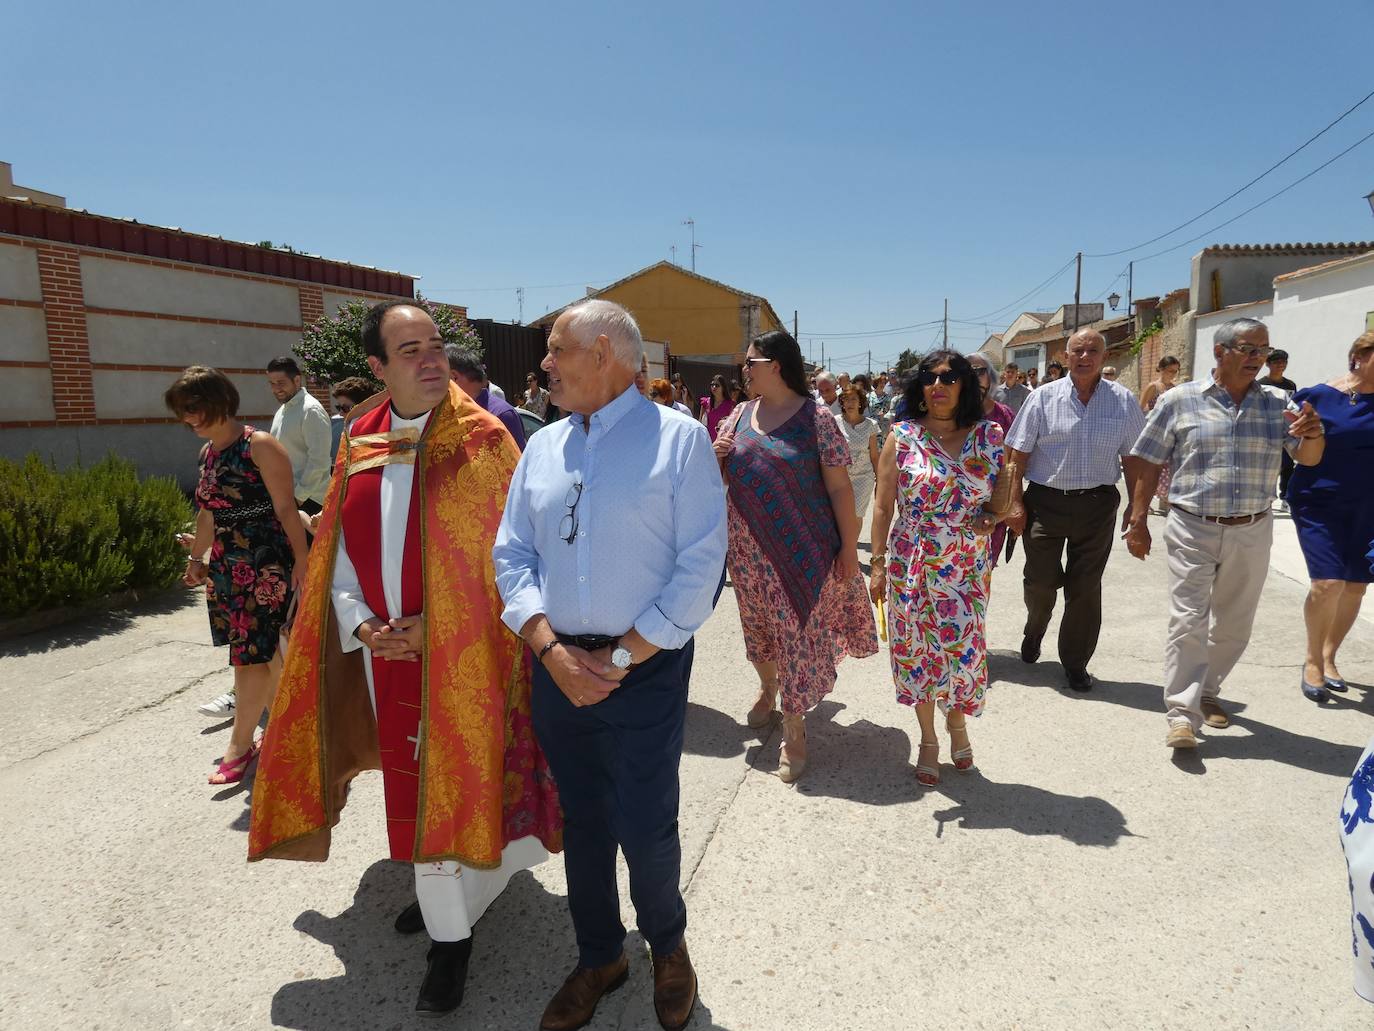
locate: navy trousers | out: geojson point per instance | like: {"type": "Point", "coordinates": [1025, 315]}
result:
{"type": "Point", "coordinates": [616, 765]}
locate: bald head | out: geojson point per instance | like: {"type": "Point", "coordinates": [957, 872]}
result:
{"type": "Point", "coordinates": [1087, 351]}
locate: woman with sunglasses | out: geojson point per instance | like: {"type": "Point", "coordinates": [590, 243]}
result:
{"type": "Point", "coordinates": [937, 469]}
{"type": "Point", "coordinates": [716, 405]}
{"type": "Point", "coordinates": [985, 368]}
{"type": "Point", "coordinates": [794, 534]}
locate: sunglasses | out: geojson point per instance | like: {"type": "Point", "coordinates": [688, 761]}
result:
{"type": "Point", "coordinates": [1249, 352]}
{"type": "Point", "coordinates": [927, 378]}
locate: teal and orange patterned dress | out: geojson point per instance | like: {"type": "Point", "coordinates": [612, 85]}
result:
{"type": "Point", "coordinates": [249, 588]}
{"type": "Point", "coordinates": [938, 569]}
{"type": "Point", "coordinates": [795, 607]}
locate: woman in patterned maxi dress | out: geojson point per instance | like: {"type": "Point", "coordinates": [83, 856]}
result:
{"type": "Point", "coordinates": [938, 469]}
{"type": "Point", "coordinates": [794, 533]}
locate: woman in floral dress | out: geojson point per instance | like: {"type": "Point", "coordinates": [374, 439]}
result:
{"type": "Point", "coordinates": [794, 535]}
{"type": "Point", "coordinates": [937, 469]}
{"type": "Point", "coordinates": [248, 522]}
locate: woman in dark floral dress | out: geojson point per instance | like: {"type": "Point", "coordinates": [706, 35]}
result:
{"type": "Point", "coordinates": [793, 553]}
{"type": "Point", "coordinates": [247, 521]}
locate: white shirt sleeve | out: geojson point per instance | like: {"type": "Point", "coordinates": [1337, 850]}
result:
{"type": "Point", "coordinates": [349, 607]}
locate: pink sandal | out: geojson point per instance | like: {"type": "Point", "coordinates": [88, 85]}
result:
{"type": "Point", "coordinates": [233, 771]}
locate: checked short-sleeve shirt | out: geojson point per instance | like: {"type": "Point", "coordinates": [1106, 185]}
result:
{"type": "Point", "coordinates": [1224, 456]}
{"type": "Point", "coordinates": [1072, 445]}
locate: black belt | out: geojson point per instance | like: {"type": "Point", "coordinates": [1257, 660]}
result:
{"type": "Point", "coordinates": [1099, 489]}
{"type": "Point", "coordinates": [587, 642]}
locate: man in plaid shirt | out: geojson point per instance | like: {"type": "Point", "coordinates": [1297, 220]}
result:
{"type": "Point", "coordinates": [1223, 436]}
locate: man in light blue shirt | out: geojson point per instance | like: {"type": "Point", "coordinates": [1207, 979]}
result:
{"type": "Point", "coordinates": [1071, 439]}
{"type": "Point", "coordinates": [608, 559]}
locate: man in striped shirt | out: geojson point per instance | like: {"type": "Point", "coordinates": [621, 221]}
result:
{"type": "Point", "coordinates": [1071, 439]}
{"type": "Point", "coordinates": [1223, 437]}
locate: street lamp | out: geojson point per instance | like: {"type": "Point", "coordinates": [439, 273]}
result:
{"type": "Point", "coordinates": [1370, 197]}
{"type": "Point", "coordinates": [1113, 299]}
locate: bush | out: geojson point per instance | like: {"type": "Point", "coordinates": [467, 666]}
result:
{"type": "Point", "coordinates": [331, 348]}
{"type": "Point", "coordinates": [75, 536]}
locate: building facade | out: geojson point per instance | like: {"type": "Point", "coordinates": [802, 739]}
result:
{"type": "Point", "coordinates": [99, 315]}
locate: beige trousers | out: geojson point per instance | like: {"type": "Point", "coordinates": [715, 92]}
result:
{"type": "Point", "coordinates": [1216, 574]}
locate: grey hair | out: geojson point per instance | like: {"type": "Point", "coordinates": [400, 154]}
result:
{"type": "Point", "coordinates": [465, 363]}
{"type": "Point", "coordinates": [590, 319]}
{"type": "Point", "coordinates": [827, 375]}
{"type": "Point", "coordinates": [989, 361]}
{"type": "Point", "coordinates": [1228, 331]}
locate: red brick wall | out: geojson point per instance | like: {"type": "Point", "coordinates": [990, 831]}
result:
{"type": "Point", "coordinates": [64, 308]}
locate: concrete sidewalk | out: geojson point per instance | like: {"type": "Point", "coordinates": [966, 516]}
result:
{"type": "Point", "coordinates": [1080, 878]}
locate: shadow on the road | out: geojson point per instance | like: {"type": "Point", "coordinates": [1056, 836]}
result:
{"type": "Point", "coordinates": [711, 732]}
{"type": "Point", "coordinates": [981, 804]}
{"type": "Point", "coordinates": [1262, 742]}
{"type": "Point", "coordinates": [522, 949]}
{"type": "Point", "coordinates": [87, 628]}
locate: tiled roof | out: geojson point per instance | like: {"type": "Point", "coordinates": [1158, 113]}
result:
{"type": "Point", "coordinates": [1288, 248]}
{"type": "Point", "coordinates": [548, 317]}
{"type": "Point", "coordinates": [1326, 266]}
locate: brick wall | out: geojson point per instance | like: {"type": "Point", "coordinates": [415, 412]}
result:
{"type": "Point", "coordinates": [64, 310]}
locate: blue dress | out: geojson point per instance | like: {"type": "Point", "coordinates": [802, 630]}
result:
{"type": "Point", "coordinates": [1332, 502]}
{"type": "Point", "coordinates": [1357, 840]}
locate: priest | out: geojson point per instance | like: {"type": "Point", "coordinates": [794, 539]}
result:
{"type": "Point", "coordinates": [399, 659]}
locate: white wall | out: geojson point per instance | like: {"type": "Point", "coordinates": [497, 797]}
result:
{"type": "Point", "coordinates": [1317, 318]}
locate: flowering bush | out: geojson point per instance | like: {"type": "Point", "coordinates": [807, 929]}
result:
{"type": "Point", "coordinates": [331, 348]}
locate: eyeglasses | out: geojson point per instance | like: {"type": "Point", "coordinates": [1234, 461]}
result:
{"type": "Point", "coordinates": [1249, 352]}
{"type": "Point", "coordinates": [567, 529]}
{"type": "Point", "coordinates": [757, 361]}
{"type": "Point", "coordinates": [926, 377]}
{"type": "Point", "coordinates": [982, 371]}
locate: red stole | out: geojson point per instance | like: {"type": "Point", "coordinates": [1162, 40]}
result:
{"type": "Point", "coordinates": [399, 726]}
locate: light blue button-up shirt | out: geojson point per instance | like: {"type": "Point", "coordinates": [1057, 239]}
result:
{"type": "Point", "coordinates": [649, 539]}
{"type": "Point", "coordinates": [1072, 445]}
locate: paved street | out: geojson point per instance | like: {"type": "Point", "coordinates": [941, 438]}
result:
{"type": "Point", "coordinates": [1079, 879]}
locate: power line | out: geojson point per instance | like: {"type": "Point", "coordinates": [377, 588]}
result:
{"type": "Point", "coordinates": [1236, 193]}
{"type": "Point", "coordinates": [1028, 294]}
{"type": "Point", "coordinates": [1272, 196]}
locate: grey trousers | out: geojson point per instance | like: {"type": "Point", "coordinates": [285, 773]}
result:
{"type": "Point", "coordinates": [1216, 574]}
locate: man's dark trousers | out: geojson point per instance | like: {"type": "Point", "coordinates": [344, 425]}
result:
{"type": "Point", "coordinates": [616, 764]}
{"type": "Point", "coordinates": [1086, 523]}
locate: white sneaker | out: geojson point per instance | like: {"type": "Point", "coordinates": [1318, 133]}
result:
{"type": "Point", "coordinates": [1283, 506]}
{"type": "Point", "coordinates": [221, 706]}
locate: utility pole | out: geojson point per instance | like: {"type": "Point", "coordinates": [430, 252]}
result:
{"type": "Point", "coordinates": [822, 354]}
{"type": "Point", "coordinates": [1130, 289]}
{"type": "Point", "coordinates": [946, 338]}
{"type": "Point", "coordinates": [692, 223]}
{"type": "Point", "coordinates": [870, 366]}
{"type": "Point", "coordinates": [795, 334]}
{"type": "Point", "coordinates": [672, 253]}
{"type": "Point", "coordinates": [520, 300]}
{"type": "Point", "coordinates": [1077, 289]}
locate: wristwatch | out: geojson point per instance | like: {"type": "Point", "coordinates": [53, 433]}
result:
{"type": "Point", "coordinates": [621, 657]}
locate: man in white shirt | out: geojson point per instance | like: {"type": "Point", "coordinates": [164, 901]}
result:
{"type": "Point", "coordinates": [1072, 439]}
{"type": "Point", "coordinates": [828, 391]}
{"type": "Point", "coordinates": [302, 426]}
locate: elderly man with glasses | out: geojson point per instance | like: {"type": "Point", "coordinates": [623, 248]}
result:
{"type": "Point", "coordinates": [609, 557]}
{"type": "Point", "coordinates": [1222, 436]}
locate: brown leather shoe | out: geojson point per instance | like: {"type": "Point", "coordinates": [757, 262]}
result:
{"type": "Point", "coordinates": [1181, 736]}
{"type": "Point", "coordinates": [574, 1004]}
{"type": "Point", "coordinates": [675, 989]}
{"type": "Point", "coordinates": [1213, 714]}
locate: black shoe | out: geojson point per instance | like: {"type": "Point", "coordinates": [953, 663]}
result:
{"type": "Point", "coordinates": [1080, 679]}
{"type": "Point", "coordinates": [411, 920]}
{"type": "Point", "coordinates": [446, 977]}
{"type": "Point", "coordinates": [1030, 649]}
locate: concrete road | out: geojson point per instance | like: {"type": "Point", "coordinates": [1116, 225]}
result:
{"type": "Point", "coordinates": [1081, 878]}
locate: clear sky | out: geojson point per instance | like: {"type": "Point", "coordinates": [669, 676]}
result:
{"type": "Point", "coordinates": [857, 162]}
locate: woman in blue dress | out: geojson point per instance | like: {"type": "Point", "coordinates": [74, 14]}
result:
{"type": "Point", "coordinates": [1332, 504]}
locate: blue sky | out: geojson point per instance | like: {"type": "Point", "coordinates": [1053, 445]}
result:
{"type": "Point", "coordinates": [856, 162]}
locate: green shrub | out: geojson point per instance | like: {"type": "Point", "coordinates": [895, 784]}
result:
{"type": "Point", "coordinates": [75, 536]}
{"type": "Point", "coordinates": [331, 347]}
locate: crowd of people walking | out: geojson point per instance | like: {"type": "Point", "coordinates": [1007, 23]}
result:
{"type": "Point", "coordinates": [423, 559]}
